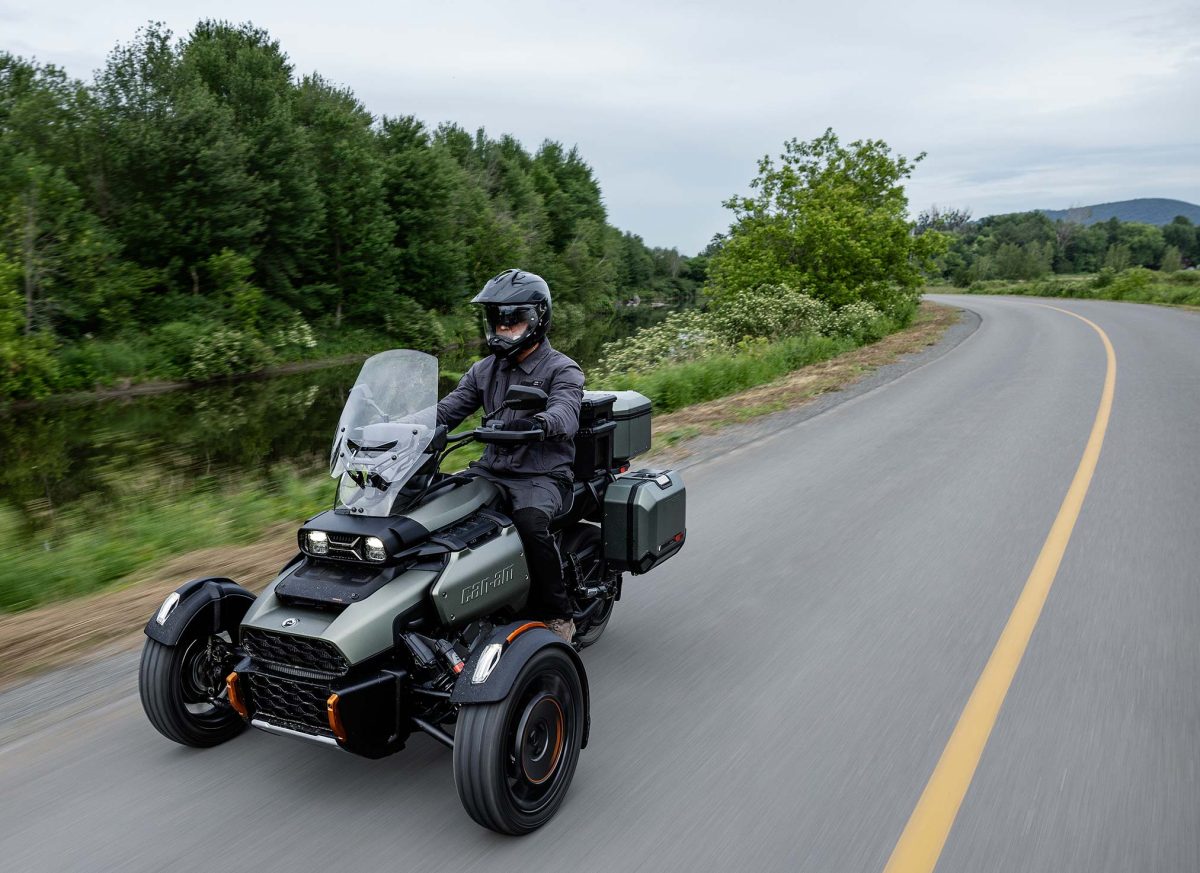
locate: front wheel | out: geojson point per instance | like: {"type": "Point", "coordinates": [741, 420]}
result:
{"type": "Point", "coordinates": [514, 759]}
{"type": "Point", "coordinates": [183, 690]}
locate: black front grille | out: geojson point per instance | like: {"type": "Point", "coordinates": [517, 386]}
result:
{"type": "Point", "coordinates": [292, 654]}
{"type": "Point", "coordinates": [300, 706]}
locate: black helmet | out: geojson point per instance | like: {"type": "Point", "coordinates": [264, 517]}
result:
{"type": "Point", "coordinates": [515, 297]}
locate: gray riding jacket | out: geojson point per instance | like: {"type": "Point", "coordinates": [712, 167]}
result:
{"type": "Point", "coordinates": [486, 383]}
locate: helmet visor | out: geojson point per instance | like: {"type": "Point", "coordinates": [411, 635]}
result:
{"type": "Point", "coordinates": [511, 323]}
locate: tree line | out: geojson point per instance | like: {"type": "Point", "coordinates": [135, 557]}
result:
{"type": "Point", "coordinates": [201, 206]}
{"type": "Point", "coordinates": [1028, 245]}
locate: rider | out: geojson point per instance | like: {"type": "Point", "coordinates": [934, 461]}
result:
{"type": "Point", "coordinates": [536, 475]}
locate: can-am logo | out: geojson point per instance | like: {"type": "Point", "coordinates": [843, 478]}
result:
{"type": "Point", "coordinates": [290, 622]}
{"type": "Point", "coordinates": [491, 583]}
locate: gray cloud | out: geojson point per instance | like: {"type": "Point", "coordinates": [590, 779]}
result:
{"type": "Point", "coordinates": [1018, 105]}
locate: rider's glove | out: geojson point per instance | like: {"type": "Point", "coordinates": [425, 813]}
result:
{"type": "Point", "coordinates": [524, 424]}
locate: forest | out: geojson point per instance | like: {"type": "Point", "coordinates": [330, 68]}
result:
{"type": "Point", "coordinates": [199, 209]}
{"type": "Point", "coordinates": [1029, 245]}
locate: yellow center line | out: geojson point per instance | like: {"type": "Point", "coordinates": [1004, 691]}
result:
{"type": "Point", "coordinates": [924, 836]}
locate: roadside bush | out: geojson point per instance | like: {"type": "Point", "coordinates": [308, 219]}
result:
{"type": "Point", "coordinates": [293, 335]}
{"type": "Point", "coordinates": [855, 320]}
{"type": "Point", "coordinates": [768, 312]}
{"type": "Point", "coordinates": [1131, 284]}
{"type": "Point", "coordinates": [675, 386]}
{"type": "Point", "coordinates": [225, 351]}
{"type": "Point", "coordinates": [681, 336]}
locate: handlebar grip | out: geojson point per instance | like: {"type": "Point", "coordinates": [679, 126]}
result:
{"type": "Point", "coordinates": [495, 435]}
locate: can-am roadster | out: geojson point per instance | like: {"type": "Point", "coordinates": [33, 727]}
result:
{"type": "Point", "coordinates": [402, 610]}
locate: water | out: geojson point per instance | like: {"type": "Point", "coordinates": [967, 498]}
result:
{"type": "Point", "coordinates": [56, 454]}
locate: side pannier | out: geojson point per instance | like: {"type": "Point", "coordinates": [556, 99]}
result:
{"type": "Point", "coordinates": [644, 521]}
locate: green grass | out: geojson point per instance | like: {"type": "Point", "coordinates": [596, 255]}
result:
{"type": "Point", "coordinates": [679, 385]}
{"type": "Point", "coordinates": [91, 546]}
{"type": "Point", "coordinates": [1135, 285]}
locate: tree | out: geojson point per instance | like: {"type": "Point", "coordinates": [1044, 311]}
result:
{"type": "Point", "coordinates": [355, 252]}
{"type": "Point", "coordinates": [831, 220]}
{"type": "Point", "coordinates": [422, 184]}
{"type": "Point", "coordinates": [249, 74]}
{"type": "Point", "coordinates": [1182, 234]}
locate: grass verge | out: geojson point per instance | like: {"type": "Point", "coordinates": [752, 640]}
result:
{"type": "Point", "coordinates": [1134, 285]}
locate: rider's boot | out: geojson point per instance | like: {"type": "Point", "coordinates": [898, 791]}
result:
{"type": "Point", "coordinates": [563, 627]}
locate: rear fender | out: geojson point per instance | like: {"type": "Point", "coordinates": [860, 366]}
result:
{"type": "Point", "coordinates": [208, 606]}
{"type": "Point", "coordinates": [518, 642]}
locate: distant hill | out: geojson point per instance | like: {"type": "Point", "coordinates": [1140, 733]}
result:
{"type": "Point", "coordinates": [1148, 210]}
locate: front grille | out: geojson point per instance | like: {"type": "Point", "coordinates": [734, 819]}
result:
{"type": "Point", "coordinates": [292, 654]}
{"type": "Point", "coordinates": [300, 706]}
{"type": "Point", "coordinates": [346, 546]}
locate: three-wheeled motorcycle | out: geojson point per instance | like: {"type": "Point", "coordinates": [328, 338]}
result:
{"type": "Point", "coordinates": [403, 609]}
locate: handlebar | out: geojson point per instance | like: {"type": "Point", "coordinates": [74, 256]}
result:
{"type": "Point", "coordinates": [496, 435]}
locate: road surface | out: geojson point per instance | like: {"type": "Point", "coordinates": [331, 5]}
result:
{"type": "Point", "coordinates": [778, 695]}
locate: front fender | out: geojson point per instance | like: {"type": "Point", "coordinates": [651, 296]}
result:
{"type": "Point", "coordinates": [208, 605]}
{"type": "Point", "coordinates": [519, 643]}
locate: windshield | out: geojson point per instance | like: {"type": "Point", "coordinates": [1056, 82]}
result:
{"type": "Point", "coordinates": [386, 425]}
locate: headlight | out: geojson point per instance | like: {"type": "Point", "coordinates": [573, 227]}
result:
{"type": "Point", "coordinates": [317, 542]}
{"type": "Point", "coordinates": [373, 549]}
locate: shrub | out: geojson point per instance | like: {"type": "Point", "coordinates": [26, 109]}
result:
{"type": "Point", "coordinates": [1131, 283]}
{"type": "Point", "coordinates": [681, 336]}
{"type": "Point", "coordinates": [854, 320]}
{"type": "Point", "coordinates": [225, 351]}
{"type": "Point", "coordinates": [768, 312]}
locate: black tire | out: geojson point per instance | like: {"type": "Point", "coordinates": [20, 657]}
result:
{"type": "Point", "coordinates": [586, 538]}
{"type": "Point", "coordinates": [174, 701]}
{"type": "Point", "coordinates": [514, 759]}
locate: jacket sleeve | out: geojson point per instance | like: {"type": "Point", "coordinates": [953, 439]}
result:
{"type": "Point", "coordinates": [461, 402]}
{"type": "Point", "coordinates": [561, 416]}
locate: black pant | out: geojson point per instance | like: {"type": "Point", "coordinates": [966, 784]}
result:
{"type": "Point", "coordinates": [548, 589]}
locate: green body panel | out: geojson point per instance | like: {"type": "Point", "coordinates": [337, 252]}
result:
{"type": "Point", "coordinates": [360, 630]}
{"type": "Point", "coordinates": [474, 583]}
{"type": "Point", "coordinates": [479, 581]}
{"type": "Point", "coordinates": [456, 503]}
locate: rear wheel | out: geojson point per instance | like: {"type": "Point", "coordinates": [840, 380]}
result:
{"type": "Point", "coordinates": [586, 543]}
{"type": "Point", "coordinates": [183, 690]}
{"type": "Point", "coordinates": [514, 759]}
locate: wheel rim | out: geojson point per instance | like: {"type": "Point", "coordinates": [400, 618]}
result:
{"type": "Point", "coordinates": [201, 679]}
{"type": "Point", "coordinates": [540, 741]}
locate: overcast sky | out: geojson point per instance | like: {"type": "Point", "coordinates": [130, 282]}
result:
{"type": "Point", "coordinates": [1019, 105]}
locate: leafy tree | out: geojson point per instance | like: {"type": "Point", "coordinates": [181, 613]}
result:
{"type": "Point", "coordinates": [829, 220]}
{"type": "Point", "coordinates": [1171, 260]}
{"type": "Point", "coordinates": [1182, 234]}
{"type": "Point", "coordinates": [422, 184]}
{"type": "Point", "coordinates": [250, 75]}
{"type": "Point", "coordinates": [355, 253]}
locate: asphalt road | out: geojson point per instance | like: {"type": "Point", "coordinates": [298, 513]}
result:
{"type": "Point", "coordinates": [776, 697]}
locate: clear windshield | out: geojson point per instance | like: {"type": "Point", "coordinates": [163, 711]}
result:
{"type": "Point", "coordinates": [386, 425]}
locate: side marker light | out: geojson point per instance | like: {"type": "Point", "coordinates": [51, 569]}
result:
{"type": "Point", "coordinates": [235, 696]}
{"type": "Point", "coordinates": [335, 718]}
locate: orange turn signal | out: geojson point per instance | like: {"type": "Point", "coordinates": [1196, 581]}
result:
{"type": "Point", "coordinates": [235, 696]}
{"type": "Point", "coordinates": [335, 718]}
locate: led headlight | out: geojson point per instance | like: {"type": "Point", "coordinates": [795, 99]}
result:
{"type": "Point", "coordinates": [373, 549]}
{"type": "Point", "coordinates": [316, 542]}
